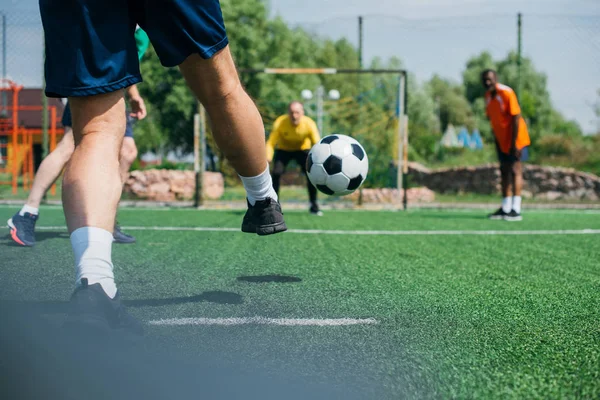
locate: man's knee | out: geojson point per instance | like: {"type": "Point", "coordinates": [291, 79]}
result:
{"type": "Point", "coordinates": [129, 151]}
{"type": "Point", "coordinates": [64, 149]}
{"type": "Point", "coordinates": [102, 114]}
{"type": "Point", "coordinates": [215, 79]}
{"type": "Point", "coordinates": [516, 168]}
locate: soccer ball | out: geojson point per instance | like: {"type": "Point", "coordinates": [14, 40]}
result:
{"type": "Point", "coordinates": [337, 165]}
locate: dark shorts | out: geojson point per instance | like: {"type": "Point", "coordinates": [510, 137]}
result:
{"type": "Point", "coordinates": [66, 121]}
{"type": "Point", "coordinates": [285, 157]}
{"type": "Point", "coordinates": [507, 158]}
{"type": "Point", "coordinates": [90, 45]}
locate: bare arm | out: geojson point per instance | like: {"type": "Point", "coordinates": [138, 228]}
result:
{"type": "Point", "coordinates": [516, 119]}
{"type": "Point", "coordinates": [272, 142]}
{"type": "Point", "coordinates": [138, 107]}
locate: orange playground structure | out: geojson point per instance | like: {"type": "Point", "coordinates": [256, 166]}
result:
{"type": "Point", "coordinates": [21, 130]}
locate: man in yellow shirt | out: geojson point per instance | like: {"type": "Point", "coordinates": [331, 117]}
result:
{"type": "Point", "coordinates": [292, 137]}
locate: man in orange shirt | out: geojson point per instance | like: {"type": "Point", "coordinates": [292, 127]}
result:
{"type": "Point", "coordinates": [512, 140]}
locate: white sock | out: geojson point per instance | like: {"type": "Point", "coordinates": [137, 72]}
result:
{"type": "Point", "coordinates": [29, 209]}
{"type": "Point", "coordinates": [93, 249]}
{"type": "Point", "coordinates": [259, 187]}
{"type": "Point", "coordinates": [516, 204]}
{"type": "Point", "coordinates": [507, 204]}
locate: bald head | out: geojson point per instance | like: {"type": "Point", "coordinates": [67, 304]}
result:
{"type": "Point", "coordinates": [295, 112]}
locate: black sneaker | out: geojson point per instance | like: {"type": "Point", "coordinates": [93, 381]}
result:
{"type": "Point", "coordinates": [92, 310]}
{"type": "Point", "coordinates": [500, 214]}
{"type": "Point", "coordinates": [264, 218]}
{"type": "Point", "coordinates": [121, 237]}
{"type": "Point", "coordinates": [315, 210]}
{"type": "Point", "coordinates": [22, 228]}
{"type": "Point", "coordinates": [513, 216]}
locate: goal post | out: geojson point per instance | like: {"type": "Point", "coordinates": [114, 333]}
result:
{"type": "Point", "coordinates": [401, 110]}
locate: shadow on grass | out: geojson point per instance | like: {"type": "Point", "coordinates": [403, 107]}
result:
{"type": "Point", "coordinates": [269, 279]}
{"type": "Point", "coordinates": [56, 307]}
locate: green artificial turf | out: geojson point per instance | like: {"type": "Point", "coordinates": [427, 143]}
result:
{"type": "Point", "coordinates": [459, 316]}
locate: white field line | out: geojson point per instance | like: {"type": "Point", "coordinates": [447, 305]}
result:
{"type": "Point", "coordinates": [263, 321]}
{"type": "Point", "coordinates": [427, 210]}
{"type": "Point", "coordinates": [358, 232]}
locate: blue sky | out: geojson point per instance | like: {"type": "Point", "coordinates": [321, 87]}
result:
{"type": "Point", "coordinates": [430, 36]}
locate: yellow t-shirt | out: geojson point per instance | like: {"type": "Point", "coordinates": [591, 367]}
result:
{"type": "Point", "coordinates": [285, 136]}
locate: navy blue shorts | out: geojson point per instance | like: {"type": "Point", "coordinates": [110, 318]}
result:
{"type": "Point", "coordinates": [507, 158]}
{"type": "Point", "coordinates": [66, 121]}
{"type": "Point", "coordinates": [90, 45]}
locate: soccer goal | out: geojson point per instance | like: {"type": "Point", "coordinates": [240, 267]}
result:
{"type": "Point", "coordinates": [369, 105]}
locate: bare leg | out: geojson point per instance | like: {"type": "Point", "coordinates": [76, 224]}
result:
{"type": "Point", "coordinates": [50, 169]}
{"type": "Point", "coordinates": [128, 155]}
{"type": "Point", "coordinates": [92, 185]}
{"type": "Point", "coordinates": [278, 170]}
{"type": "Point", "coordinates": [506, 179]}
{"type": "Point", "coordinates": [517, 178]}
{"type": "Point", "coordinates": [236, 122]}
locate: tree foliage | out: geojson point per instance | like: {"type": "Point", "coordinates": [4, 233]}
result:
{"type": "Point", "coordinates": [369, 105]}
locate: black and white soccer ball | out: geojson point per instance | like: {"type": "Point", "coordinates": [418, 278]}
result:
{"type": "Point", "coordinates": [337, 165]}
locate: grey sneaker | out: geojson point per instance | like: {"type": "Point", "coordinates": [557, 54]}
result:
{"type": "Point", "coordinates": [22, 228]}
{"type": "Point", "coordinates": [121, 237]}
{"type": "Point", "coordinates": [92, 310]}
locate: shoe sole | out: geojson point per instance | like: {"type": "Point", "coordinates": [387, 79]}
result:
{"type": "Point", "coordinates": [13, 234]}
{"type": "Point", "coordinates": [513, 219]}
{"type": "Point", "coordinates": [247, 228]}
{"type": "Point", "coordinates": [88, 324]}
{"type": "Point", "coordinates": [124, 241]}
{"type": "Point", "coordinates": [95, 328]}
{"type": "Point", "coordinates": [496, 218]}
{"type": "Point", "coordinates": [271, 229]}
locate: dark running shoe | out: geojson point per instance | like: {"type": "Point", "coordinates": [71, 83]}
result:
{"type": "Point", "coordinates": [264, 218]}
{"type": "Point", "coordinates": [500, 214]}
{"type": "Point", "coordinates": [513, 216]}
{"type": "Point", "coordinates": [315, 210]}
{"type": "Point", "coordinates": [91, 310]}
{"type": "Point", "coordinates": [121, 237]}
{"type": "Point", "coordinates": [22, 228]}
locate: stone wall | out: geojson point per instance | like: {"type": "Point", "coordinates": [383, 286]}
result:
{"type": "Point", "coordinates": [171, 185]}
{"type": "Point", "coordinates": [549, 183]}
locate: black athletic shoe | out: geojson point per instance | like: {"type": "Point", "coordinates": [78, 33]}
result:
{"type": "Point", "coordinates": [264, 218]}
{"type": "Point", "coordinates": [500, 214]}
{"type": "Point", "coordinates": [93, 311]}
{"type": "Point", "coordinates": [513, 216]}
{"type": "Point", "coordinates": [22, 228]}
{"type": "Point", "coordinates": [315, 210]}
{"type": "Point", "coordinates": [121, 237]}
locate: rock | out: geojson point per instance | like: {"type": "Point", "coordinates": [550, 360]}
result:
{"type": "Point", "coordinates": [551, 195]}
{"type": "Point", "coordinates": [526, 194]}
{"type": "Point", "coordinates": [539, 181]}
{"type": "Point", "coordinates": [391, 196]}
{"type": "Point", "coordinates": [170, 185]}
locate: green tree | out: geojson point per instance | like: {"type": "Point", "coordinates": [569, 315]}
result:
{"type": "Point", "coordinates": [453, 106]}
{"type": "Point", "coordinates": [472, 75]}
{"type": "Point", "coordinates": [535, 102]}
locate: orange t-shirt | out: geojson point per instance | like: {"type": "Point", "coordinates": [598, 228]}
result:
{"type": "Point", "coordinates": [500, 110]}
